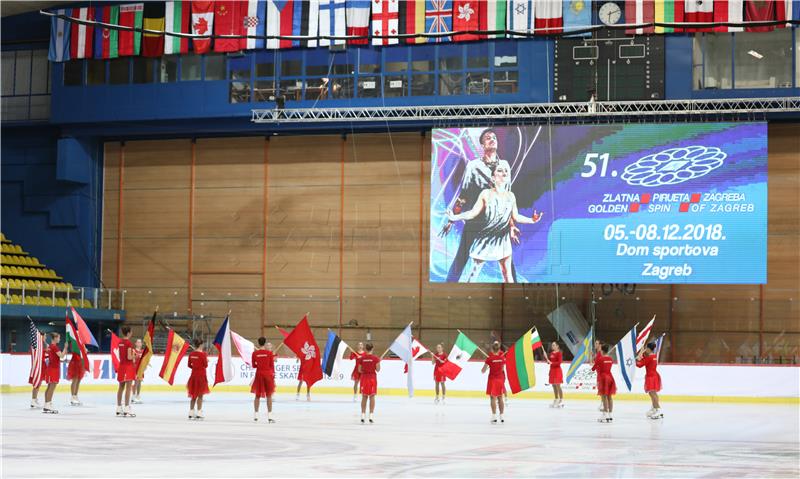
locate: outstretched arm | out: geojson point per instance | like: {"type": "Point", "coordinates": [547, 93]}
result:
{"type": "Point", "coordinates": [519, 219]}
{"type": "Point", "coordinates": [471, 214]}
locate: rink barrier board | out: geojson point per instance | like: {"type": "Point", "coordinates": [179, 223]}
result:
{"type": "Point", "coordinates": [707, 383]}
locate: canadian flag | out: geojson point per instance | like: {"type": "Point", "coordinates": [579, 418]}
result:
{"type": "Point", "coordinates": [202, 24]}
{"type": "Point", "coordinates": [417, 349]}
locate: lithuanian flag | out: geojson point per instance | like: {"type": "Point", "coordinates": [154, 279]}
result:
{"type": "Point", "coordinates": [176, 349]}
{"type": "Point", "coordinates": [519, 363]}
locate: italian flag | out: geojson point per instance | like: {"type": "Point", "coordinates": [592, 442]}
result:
{"type": "Point", "coordinates": [462, 350]}
{"type": "Point", "coordinates": [74, 343]}
{"type": "Point", "coordinates": [519, 363]}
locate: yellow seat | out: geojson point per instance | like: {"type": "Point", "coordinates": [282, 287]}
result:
{"type": "Point", "coordinates": [60, 302]}
{"type": "Point", "coordinates": [2, 299]}
{"type": "Point", "coordinates": [16, 299]}
{"type": "Point", "coordinates": [30, 300]}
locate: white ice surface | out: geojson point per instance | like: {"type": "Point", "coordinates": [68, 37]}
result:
{"type": "Point", "coordinates": [410, 438]}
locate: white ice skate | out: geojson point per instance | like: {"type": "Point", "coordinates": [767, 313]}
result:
{"type": "Point", "coordinates": [269, 418]}
{"type": "Point", "coordinates": [255, 416]}
{"type": "Point", "coordinates": [657, 414]}
{"type": "Point", "coordinates": [136, 400]}
{"type": "Point", "coordinates": [606, 417]}
{"type": "Point", "coordinates": [442, 400]}
{"type": "Point", "coordinates": [119, 410]}
{"type": "Point", "coordinates": [74, 401]}
{"type": "Point", "coordinates": [436, 401]}
{"type": "Point", "coordinates": [48, 408]}
{"type": "Point", "coordinates": [371, 418]}
{"type": "Point", "coordinates": [494, 419]}
{"type": "Point", "coordinates": [199, 415]}
{"type": "Point", "coordinates": [126, 412]}
{"type": "Point", "coordinates": [35, 404]}
{"type": "Point", "coordinates": [502, 419]}
{"type": "Point", "coordinates": [363, 418]}
{"type": "Point", "coordinates": [191, 414]}
{"type": "Point", "coordinates": [554, 404]}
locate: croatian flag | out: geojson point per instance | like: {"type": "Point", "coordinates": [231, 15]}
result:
{"type": "Point", "coordinates": [626, 357]}
{"type": "Point", "coordinates": [224, 369]}
{"type": "Point", "coordinates": [404, 349]}
{"type": "Point", "coordinates": [255, 16]}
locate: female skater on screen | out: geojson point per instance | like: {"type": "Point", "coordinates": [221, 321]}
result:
{"type": "Point", "coordinates": [556, 375]}
{"type": "Point", "coordinates": [439, 358]}
{"type": "Point", "coordinates": [496, 383]}
{"type": "Point", "coordinates": [138, 350]}
{"type": "Point", "coordinates": [197, 387]}
{"type": "Point", "coordinates": [493, 241]}
{"type": "Point", "coordinates": [263, 360]}
{"type": "Point", "coordinates": [606, 386]}
{"type": "Point", "coordinates": [368, 367]}
{"type": "Point", "coordinates": [652, 380]}
{"type": "Point", "coordinates": [355, 376]}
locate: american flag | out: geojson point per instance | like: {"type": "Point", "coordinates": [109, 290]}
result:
{"type": "Point", "coordinates": [37, 346]}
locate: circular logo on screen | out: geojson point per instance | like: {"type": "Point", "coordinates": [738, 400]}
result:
{"type": "Point", "coordinates": [673, 166]}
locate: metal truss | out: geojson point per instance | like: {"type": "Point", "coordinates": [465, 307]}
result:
{"type": "Point", "coordinates": [743, 107]}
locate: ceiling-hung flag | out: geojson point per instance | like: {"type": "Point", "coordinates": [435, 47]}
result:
{"type": "Point", "coordinates": [305, 22]}
{"type": "Point", "coordinates": [728, 11]}
{"type": "Point", "coordinates": [698, 11]}
{"type": "Point", "coordinates": [357, 20]}
{"type": "Point", "coordinates": [664, 12]}
{"type": "Point", "coordinates": [227, 21]}
{"type": "Point", "coordinates": [291, 18]}
{"type": "Point", "coordinates": [153, 43]}
{"type": "Point", "coordinates": [176, 349]}
{"type": "Point", "coordinates": [520, 16]}
{"type": "Point", "coordinates": [223, 372]}
{"type": "Point", "coordinates": [177, 19]}
{"type": "Point", "coordinates": [130, 42]}
{"type": "Point", "coordinates": [548, 18]}
{"type": "Point", "coordinates": [496, 18]}
{"type": "Point", "coordinates": [577, 15]}
{"type": "Point", "coordinates": [638, 12]}
{"type": "Point", "coordinates": [331, 23]}
{"type": "Point", "coordinates": [105, 39]}
{"type": "Point", "coordinates": [82, 35]}
{"type": "Point", "coordinates": [412, 20]}
{"type": "Point", "coordinates": [469, 15]}
{"type": "Point", "coordinates": [255, 24]}
{"type": "Point", "coordinates": [762, 11]}
{"type": "Point", "coordinates": [439, 19]}
{"type": "Point", "coordinates": [385, 21]}
{"type": "Point", "coordinates": [59, 36]}
{"type": "Point", "coordinates": [626, 357]}
{"type": "Point", "coordinates": [792, 10]}
{"type": "Point", "coordinates": [202, 24]}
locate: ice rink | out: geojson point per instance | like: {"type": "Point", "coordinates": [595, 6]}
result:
{"type": "Point", "coordinates": [410, 438]}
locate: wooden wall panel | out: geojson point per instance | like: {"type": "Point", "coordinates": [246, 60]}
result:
{"type": "Point", "coordinates": [158, 164]}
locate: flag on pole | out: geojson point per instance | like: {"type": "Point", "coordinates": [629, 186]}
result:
{"type": "Point", "coordinates": [462, 350]}
{"type": "Point", "coordinates": [641, 338]}
{"type": "Point", "coordinates": [334, 350]}
{"type": "Point", "coordinates": [75, 344]}
{"type": "Point", "coordinates": [301, 341]}
{"type": "Point", "coordinates": [659, 343]}
{"type": "Point", "coordinates": [153, 19]}
{"type": "Point", "coordinates": [582, 355]}
{"type": "Point", "coordinates": [82, 35]}
{"type": "Point", "coordinates": [331, 23]}
{"type": "Point", "coordinates": [417, 349]}
{"type": "Point", "coordinates": [222, 341]}
{"type": "Point", "coordinates": [176, 349]}
{"type": "Point", "coordinates": [548, 17]}
{"type": "Point", "coordinates": [357, 20]}
{"type": "Point", "coordinates": [37, 357]}
{"type": "Point", "coordinates": [60, 35]}
{"type": "Point", "coordinates": [439, 19]}
{"type": "Point", "coordinates": [83, 330]}
{"type": "Point", "coordinates": [626, 357]}
{"type": "Point", "coordinates": [177, 19]}
{"type": "Point", "coordinates": [519, 364]}
{"type": "Point", "coordinates": [283, 332]}
{"type": "Point", "coordinates": [255, 24]}
{"type": "Point", "coordinates": [402, 346]}
{"type": "Point", "coordinates": [244, 347]}
{"type": "Point", "coordinates": [115, 351]}
{"type": "Point", "coordinates": [536, 341]}
{"type": "Point", "coordinates": [637, 12]}
{"type": "Point", "coordinates": [577, 15]}
{"type": "Point", "coordinates": [202, 24]}
{"type": "Point", "coordinates": [147, 351]}
{"type": "Point", "coordinates": [385, 21]}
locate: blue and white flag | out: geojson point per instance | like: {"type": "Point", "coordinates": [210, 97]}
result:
{"type": "Point", "coordinates": [577, 15]}
{"type": "Point", "coordinates": [332, 358]}
{"type": "Point", "coordinates": [331, 23]}
{"type": "Point", "coordinates": [59, 37]}
{"type": "Point", "coordinates": [403, 348]}
{"type": "Point", "coordinates": [520, 16]}
{"type": "Point", "coordinates": [626, 357]}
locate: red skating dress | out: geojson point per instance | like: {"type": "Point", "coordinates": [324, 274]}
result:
{"type": "Point", "coordinates": [496, 384]}
{"type": "Point", "coordinates": [369, 376]}
{"type": "Point", "coordinates": [556, 375]}
{"type": "Point", "coordinates": [198, 381]}
{"type": "Point", "coordinates": [264, 382]}
{"type": "Point", "coordinates": [606, 386]}
{"type": "Point", "coordinates": [652, 380]}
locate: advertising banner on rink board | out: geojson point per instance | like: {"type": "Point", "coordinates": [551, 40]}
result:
{"type": "Point", "coordinates": [618, 203]}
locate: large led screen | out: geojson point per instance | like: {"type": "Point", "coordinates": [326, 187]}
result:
{"type": "Point", "coordinates": [625, 203]}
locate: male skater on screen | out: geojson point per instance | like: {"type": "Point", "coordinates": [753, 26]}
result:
{"type": "Point", "coordinates": [478, 176]}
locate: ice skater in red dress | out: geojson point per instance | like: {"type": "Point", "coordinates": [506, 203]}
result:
{"type": "Point", "coordinates": [263, 360]}
{"type": "Point", "coordinates": [197, 387]}
{"type": "Point", "coordinates": [368, 367]}
{"type": "Point", "coordinates": [52, 371]}
{"type": "Point", "coordinates": [556, 375]}
{"type": "Point", "coordinates": [126, 373]}
{"type": "Point", "coordinates": [652, 380]}
{"type": "Point", "coordinates": [439, 358]}
{"type": "Point", "coordinates": [300, 381]}
{"type": "Point", "coordinates": [138, 349]}
{"type": "Point", "coordinates": [35, 391]}
{"type": "Point", "coordinates": [75, 373]}
{"type": "Point", "coordinates": [355, 376]}
{"type": "Point", "coordinates": [606, 386]}
{"type": "Point", "coordinates": [496, 384]}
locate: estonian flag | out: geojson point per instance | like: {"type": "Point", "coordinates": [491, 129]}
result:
{"type": "Point", "coordinates": [332, 359]}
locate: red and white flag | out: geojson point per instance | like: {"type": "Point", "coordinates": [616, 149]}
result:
{"type": "Point", "coordinates": [37, 356]}
{"type": "Point", "coordinates": [385, 21]}
{"type": "Point", "coordinates": [637, 12]}
{"type": "Point", "coordinates": [244, 347]}
{"type": "Point", "coordinates": [301, 341]}
{"type": "Point", "coordinates": [762, 11]}
{"type": "Point", "coordinates": [202, 24]}
{"type": "Point", "coordinates": [469, 15]}
{"type": "Point", "coordinates": [698, 11]}
{"type": "Point", "coordinates": [357, 20]}
{"type": "Point", "coordinates": [728, 11]}
{"type": "Point", "coordinates": [417, 349]}
{"type": "Point", "coordinates": [641, 338]}
{"type": "Point", "coordinates": [82, 35]}
{"type": "Point", "coordinates": [548, 17]}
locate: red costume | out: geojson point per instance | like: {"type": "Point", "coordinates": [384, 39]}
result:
{"type": "Point", "coordinates": [198, 381]}
{"type": "Point", "coordinates": [52, 372]}
{"type": "Point", "coordinates": [369, 377]}
{"type": "Point", "coordinates": [652, 380]}
{"type": "Point", "coordinates": [438, 375]}
{"type": "Point", "coordinates": [606, 386]}
{"type": "Point", "coordinates": [496, 384]}
{"type": "Point", "coordinates": [264, 382]}
{"type": "Point", "coordinates": [355, 376]}
{"type": "Point", "coordinates": [556, 376]}
{"type": "Point", "coordinates": [75, 368]}
{"type": "Point", "coordinates": [126, 371]}
{"type": "Point", "coordinates": [137, 360]}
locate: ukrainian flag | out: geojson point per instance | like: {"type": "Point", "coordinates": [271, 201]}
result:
{"type": "Point", "coordinates": [582, 356]}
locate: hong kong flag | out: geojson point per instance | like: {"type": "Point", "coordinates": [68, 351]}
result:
{"type": "Point", "coordinates": [301, 341]}
{"type": "Point", "coordinates": [469, 15]}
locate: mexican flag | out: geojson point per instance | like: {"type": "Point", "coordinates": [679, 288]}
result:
{"type": "Point", "coordinates": [519, 363]}
{"type": "Point", "coordinates": [75, 344]}
{"type": "Point", "coordinates": [462, 350]}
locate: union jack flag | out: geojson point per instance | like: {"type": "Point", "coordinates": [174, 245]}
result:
{"type": "Point", "coordinates": [37, 346]}
{"type": "Point", "coordinates": [439, 19]}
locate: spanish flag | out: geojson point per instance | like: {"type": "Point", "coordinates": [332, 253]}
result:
{"type": "Point", "coordinates": [148, 346]}
{"type": "Point", "coordinates": [176, 349]}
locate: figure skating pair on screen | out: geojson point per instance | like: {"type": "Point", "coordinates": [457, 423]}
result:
{"type": "Point", "coordinates": [489, 211]}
